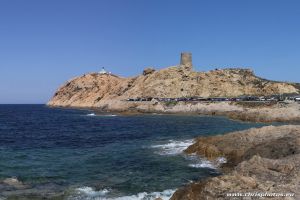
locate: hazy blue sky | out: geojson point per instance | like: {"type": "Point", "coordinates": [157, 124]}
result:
{"type": "Point", "coordinates": [45, 43]}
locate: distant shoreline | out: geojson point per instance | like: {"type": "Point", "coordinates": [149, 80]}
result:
{"type": "Point", "coordinates": [251, 112]}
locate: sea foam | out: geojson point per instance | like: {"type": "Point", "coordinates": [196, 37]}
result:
{"type": "Point", "coordinates": [104, 115]}
{"type": "Point", "coordinates": [165, 195]}
{"type": "Point", "coordinates": [176, 147]}
{"type": "Point", "coordinates": [200, 162]}
{"type": "Point", "coordinates": [173, 147]}
{"type": "Point", "coordinates": [88, 193]}
{"type": "Point", "coordinates": [203, 164]}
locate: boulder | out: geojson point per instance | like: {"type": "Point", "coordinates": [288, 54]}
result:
{"type": "Point", "coordinates": [13, 182]}
{"type": "Point", "coordinates": [148, 70]}
{"type": "Point", "coordinates": [260, 160]}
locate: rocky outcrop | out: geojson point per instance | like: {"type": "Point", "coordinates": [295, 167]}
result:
{"type": "Point", "coordinates": [262, 160]}
{"type": "Point", "coordinates": [12, 188]}
{"type": "Point", "coordinates": [109, 92]}
{"type": "Point", "coordinates": [279, 112]}
{"type": "Point", "coordinates": [148, 71]}
{"type": "Point", "coordinates": [12, 183]}
{"type": "Point", "coordinates": [90, 90]}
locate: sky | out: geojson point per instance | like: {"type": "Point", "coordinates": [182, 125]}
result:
{"type": "Point", "coordinates": [45, 43]}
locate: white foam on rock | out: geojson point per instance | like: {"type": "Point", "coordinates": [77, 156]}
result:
{"type": "Point", "coordinates": [165, 195]}
{"type": "Point", "coordinates": [88, 193]}
{"type": "Point", "coordinates": [176, 147]}
{"type": "Point", "coordinates": [203, 163]}
{"type": "Point", "coordinates": [221, 160]}
{"type": "Point", "coordinates": [173, 147]}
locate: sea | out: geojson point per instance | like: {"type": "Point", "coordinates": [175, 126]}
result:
{"type": "Point", "coordinates": [73, 154]}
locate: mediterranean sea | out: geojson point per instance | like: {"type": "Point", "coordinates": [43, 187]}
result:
{"type": "Point", "coordinates": [60, 153]}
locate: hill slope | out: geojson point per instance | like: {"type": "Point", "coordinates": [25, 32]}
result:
{"type": "Point", "coordinates": [109, 91]}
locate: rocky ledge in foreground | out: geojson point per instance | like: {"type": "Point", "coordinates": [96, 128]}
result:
{"type": "Point", "coordinates": [260, 160]}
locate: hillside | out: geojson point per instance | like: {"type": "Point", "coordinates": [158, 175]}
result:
{"type": "Point", "coordinates": [110, 91]}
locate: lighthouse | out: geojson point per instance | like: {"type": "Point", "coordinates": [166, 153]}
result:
{"type": "Point", "coordinates": [103, 71]}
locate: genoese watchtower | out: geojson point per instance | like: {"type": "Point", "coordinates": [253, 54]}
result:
{"type": "Point", "coordinates": [186, 61]}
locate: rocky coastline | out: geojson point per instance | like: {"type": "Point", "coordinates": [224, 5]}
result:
{"type": "Point", "coordinates": [110, 93]}
{"type": "Point", "coordinates": [263, 112]}
{"type": "Point", "coordinates": [260, 160]}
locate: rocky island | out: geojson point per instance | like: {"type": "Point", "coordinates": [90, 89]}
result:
{"type": "Point", "coordinates": [108, 92]}
{"type": "Point", "coordinates": [263, 160]}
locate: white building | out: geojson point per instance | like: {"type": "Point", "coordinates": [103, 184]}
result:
{"type": "Point", "coordinates": [103, 71]}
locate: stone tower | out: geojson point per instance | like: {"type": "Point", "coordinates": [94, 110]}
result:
{"type": "Point", "coordinates": [186, 61]}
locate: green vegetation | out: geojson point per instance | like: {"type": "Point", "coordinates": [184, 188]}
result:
{"type": "Point", "coordinates": [171, 103]}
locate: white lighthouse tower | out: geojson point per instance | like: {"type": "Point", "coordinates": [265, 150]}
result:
{"type": "Point", "coordinates": [103, 71]}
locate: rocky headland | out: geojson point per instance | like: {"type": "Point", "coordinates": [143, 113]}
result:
{"type": "Point", "coordinates": [259, 160]}
{"type": "Point", "coordinates": [108, 92]}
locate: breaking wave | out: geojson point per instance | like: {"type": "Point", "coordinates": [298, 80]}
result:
{"type": "Point", "coordinates": [199, 162]}
{"type": "Point", "coordinates": [164, 195]}
{"type": "Point", "coordinates": [173, 147]}
{"type": "Point", "coordinates": [93, 114]}
{"type": "Point", "coordinates": [203, 164]}
{"type": "Point", "coordinates": [88, 193]}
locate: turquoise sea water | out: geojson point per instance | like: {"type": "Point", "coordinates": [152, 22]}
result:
{"type": "Point", "coordinates": [74, 154]}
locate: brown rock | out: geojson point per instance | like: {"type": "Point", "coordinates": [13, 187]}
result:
{"type": "Point", "coordinates": [109, 92]}
{"type": "Point", "coordinates": [262, 164]}
{"type": "Point", "coordinates": [208, 150]}
{"type": "Point", "coordinates": [14, 182]}
{"type": "Point", "coordinates": [148, 71]}
{"type": "Point", "coordinates": [96, 90]}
